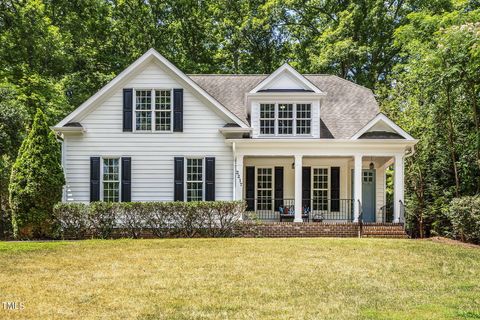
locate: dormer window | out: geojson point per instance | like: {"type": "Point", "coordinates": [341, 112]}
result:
{"type": "Point", "coordinates": [153, 110]}
{"type": "Point", "coordinates": [285, 119]}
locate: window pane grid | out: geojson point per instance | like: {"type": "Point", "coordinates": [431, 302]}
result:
{"type": "Point", "coordinates": [158, 119]}
{"type": "Point", "coordinates": [111, 180]}
{"type": "Point", "coordinates": [264, 189]}
{"type": "Point", "coordinates": [320, 189]}
{"type": "Point", "coordinates": [304, 115]}
{"type": "Point", "coordinates": [162, 99]}
{"type": "Point", "coordinates": [194, 179]}
{"type": "Point", "coordinates": [285, 119]}
{"type": "Point", "coordinates": [267, 118]}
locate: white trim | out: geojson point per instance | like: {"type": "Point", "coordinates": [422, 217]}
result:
{"type": "Point", "coordinates": [151, 54]}
{"type": "Point", "coordinates": [286, 68]}
{"type": "Point", "coordinates": [381, 117]}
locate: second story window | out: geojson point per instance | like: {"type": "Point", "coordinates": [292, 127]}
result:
{"type": "Point", "coordinates": [153, 110]}
{"type": "Point", "coordinates": [283, 119]}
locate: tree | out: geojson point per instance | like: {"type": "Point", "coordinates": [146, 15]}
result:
{"type": "Point", "coordinates": [36, 182]}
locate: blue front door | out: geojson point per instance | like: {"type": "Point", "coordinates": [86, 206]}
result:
{"type": "Point", "coordinates": [368, 194]}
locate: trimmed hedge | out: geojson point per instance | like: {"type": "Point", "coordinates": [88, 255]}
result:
{"type": "Point", "coordinates": [464, 214]}
{"type": "Point", "coordinates": [163, 219]}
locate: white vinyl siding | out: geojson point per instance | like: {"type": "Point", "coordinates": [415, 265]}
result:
{"type": "Point", "coordinates": [152, 154]}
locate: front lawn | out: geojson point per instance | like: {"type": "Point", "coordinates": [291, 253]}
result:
{"type": "Point", "coordinates": [240, 279]}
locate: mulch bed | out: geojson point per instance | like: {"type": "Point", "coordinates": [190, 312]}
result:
{"type": "Point", "coordinates": [453, 242]}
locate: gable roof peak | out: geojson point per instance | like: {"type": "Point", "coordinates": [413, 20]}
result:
{"type": "Point", "coordinates": [297, 77]}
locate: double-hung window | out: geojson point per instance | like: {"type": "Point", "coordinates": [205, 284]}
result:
{"type": "Point", "coordinates": [285, 119]}
{"type": "Point", "coordinates": [111, 180]}
{"type": "Point", "coordinates": [320, 189]}
{"type": "Point", "coordinates": [153, 110]}
{"type": "Point", "coordinates": [194, 180]}
{"type": "Point", "coordinates": [304, 118]}
{"type": "Point", "coordinates": [267, 118]}
{"type": "Point", "coordinates": [264, 188]}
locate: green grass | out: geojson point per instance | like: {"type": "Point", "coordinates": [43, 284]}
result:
{"type": "Point", "coordinates": [240, 279]}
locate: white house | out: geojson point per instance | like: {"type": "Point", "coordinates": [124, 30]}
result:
{"type": "Point", "coordinates": [302, 146]}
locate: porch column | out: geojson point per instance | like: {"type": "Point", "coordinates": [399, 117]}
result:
{"type": "Point", "coordinates": [298, 189]}
{"type": "Point", "coordinates": [357, 186]}
{"type": "Point", "coordinates": [239, 177]}
{"type": "Point", "coordinates": [398, 187]}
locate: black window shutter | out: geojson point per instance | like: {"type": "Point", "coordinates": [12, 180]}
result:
{"type": "Point", "coordinates": [126, 179]}
{"type": "Point", "coordinates": [94, 179]}
{"type": "Point", "coordinates": [335, 188]}
{"type": "Point", "coordinates": [278, 187]}
{"type": "Point", "coordinates": [209, 179]}
{"type": "Point", "coordinates": [250, 188]}
{"type": "Point", "coordinates": [127, 109]}
{"type": "Point", "coordinates": [178, 110]}
{"type": "Point", "coordinates": [306, 187]}
{"type": "Point", "coordinates": [178, 179]}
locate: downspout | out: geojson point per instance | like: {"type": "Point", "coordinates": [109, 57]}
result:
{"type": "Point", "coordinates": [63, 150]}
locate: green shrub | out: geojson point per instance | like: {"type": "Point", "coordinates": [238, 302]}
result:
{"type": "Point", "coordinates": [164, 219]}
{"type": "Point", "coordinates": [36, 182]}
{"type": "Point", "coordinates": [464, 214]}
{"type": "Point", "coordinates": [102, 218]}
{"type": "Point", "coordinates": [72, 219]}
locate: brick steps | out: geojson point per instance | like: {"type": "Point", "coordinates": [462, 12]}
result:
{"type": "Point", "coordinates": [384, 231]}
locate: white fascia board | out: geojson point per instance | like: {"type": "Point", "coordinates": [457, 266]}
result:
{"type": "Point", "coordinates": [286, 68]}
{"type": "Point", "coordinates": [235, 129]}
{"type": "Point", "coordinates": [68, 129]}
{"type": "Point", "coordinates": [147, 57]}
{"type": "Point", "coordinates": [381, 117]}
{"type": "Point", "coordinates": [292, 95]}
{"type": "Point", "coordinates": [321, 147]}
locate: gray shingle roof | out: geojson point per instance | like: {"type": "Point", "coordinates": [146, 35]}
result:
{"type": "Point", "coordinates": [346, 109]}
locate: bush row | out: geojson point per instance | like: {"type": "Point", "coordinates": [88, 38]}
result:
{"type": "Point", "coordinates": [464, 215]}
{"type": "Point", "coordinates": [163, 219]}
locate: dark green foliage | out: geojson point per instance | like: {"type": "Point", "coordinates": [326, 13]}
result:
{"type": "Point", "coordinates": [163, 219]}
{"type": "Point", "coordinates": [464, 214]}
{"type": "Point", "coordinates": [36, 182]}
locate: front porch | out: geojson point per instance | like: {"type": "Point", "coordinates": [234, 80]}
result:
{"type": "Point", "coordinates": [320, 189]}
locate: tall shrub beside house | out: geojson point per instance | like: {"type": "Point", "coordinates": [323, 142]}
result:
{"type": "Point", "coordinates": [36, 182]}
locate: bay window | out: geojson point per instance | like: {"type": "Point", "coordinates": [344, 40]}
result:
{"type": "Point", "coordinates": [153, 110]}
{"type": "Point", "coordinates": [285, 119]}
